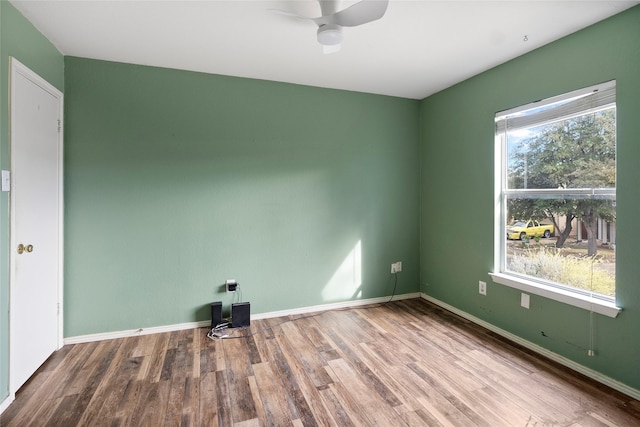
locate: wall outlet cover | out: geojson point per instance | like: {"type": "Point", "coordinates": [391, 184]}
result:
{"type": "Point", "coordinates": [482, 287]}
{"type": "Point", "coordinates": [396, 267]}
{"type": "Point", "coordinates": [524, 300]}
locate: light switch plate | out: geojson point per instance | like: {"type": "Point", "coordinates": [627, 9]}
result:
{"type": "Point", "coordinates": [6, 181]}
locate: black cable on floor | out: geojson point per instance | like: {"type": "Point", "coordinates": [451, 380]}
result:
{"type": "Point", "coordinates": [219, 333]}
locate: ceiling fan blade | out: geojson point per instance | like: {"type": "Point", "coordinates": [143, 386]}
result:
{"type": "Point", "coordinates": [331, 23]}
{"type": "Point", "coordinates": [290, 14]}
{"type": "Point", "coordinates": [357, 14]}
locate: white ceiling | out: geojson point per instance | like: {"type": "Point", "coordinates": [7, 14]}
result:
{"type": "Point", "coordinates": [418, 48]}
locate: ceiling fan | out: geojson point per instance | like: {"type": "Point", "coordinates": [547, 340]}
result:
{"type": "Point", "coordinates": [332, 20]}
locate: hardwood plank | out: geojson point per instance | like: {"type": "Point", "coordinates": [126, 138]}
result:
{"type": "Point", "coordinates": [129, 401]}
{"type": "Point", "coordinates": [405, 363]}
{"type": "Point", "coordinates": [87, 393]}
{"type": "Point", "coordinates": [180, 379]}
{"type": "Point", "coordinates": [416, 419]}
{"type": "Point", "coordinates": [191, 404]}
{"type": "Point", "coordinates": [455, 408]}
{"type": "Point", "coordinates": [57, 385]}
{"type": "Point", "coordinates": [248, 423]}
{"type": "Point", "coordinates": [173, 413]}
{"type": "Point", "coordinates": [370, 405]}
{"type": "Point", "coordinates": [238, 372]}
{"type": "Point", "coordinates": [195, 353]}
{"type": "Point", "coordinates": [388, 376]}
{"type": "Point", "coordinates": [108, 395]}
{"type": "Point", "coordinates": [347, 402]}
{"type": "Point", "coordinates": [154, 372]}
{"type": "Point", "coordinates": [304, 381]}
{"type": "Point", "coordinates": [223, 401]}
{"type": "Point", "coordinates": [94, 361]}
{"type": "Point", "coordinates": [25, 394]}
{"type": "Point", "coordinates": [151, 406]}
{"type": "Point", "coordinates": [335, 408]}
{"type": "Point", "coordinates": [167, 364]}
{"type": "Point", "coordinates": [207, 414]}
{"type": "Point", "coordinates": [430, 399]}
{"type": "Point", "coordinates": [306, 353]}
{"type": "Point", "coordinates": [220, 358]}
{"type": "Point", "coordinates": [145, 350]}
{"type": "Point", "coordinates": [61, 413]}
{"type": "Point", "coordinates": [298, 405]}
{"type": "Point", "coordinates": [274, 405]}
{"type": "Point", "coordinates": [495, 376]}
{"type": "Point", "coordinates": [510, 383]}
{"type": "Point", "coordinates": [313, 332]}
{"type": "Point", "coordinates": [374, 381]}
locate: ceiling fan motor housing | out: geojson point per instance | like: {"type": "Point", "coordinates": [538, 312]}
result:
{"type": "Point", "coordinates": [330, 34]}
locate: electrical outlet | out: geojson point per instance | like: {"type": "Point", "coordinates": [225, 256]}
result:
{"type": "Point", "coordinates": [524, 300]}
{"type": "Point", "coordinates": [482, 287]}
{"type": "Point", "coordinates": [231, 285]}
{"type": "Point", "coordinates": [396, 267]}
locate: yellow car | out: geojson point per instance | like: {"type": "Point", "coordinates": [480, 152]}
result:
{"type": "Point", "coordinates": [521, 229]}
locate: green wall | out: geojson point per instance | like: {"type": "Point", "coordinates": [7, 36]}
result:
{"type": "Point", "coordinates": [457, 199]}
{"type": "Point", "coordinates": [176, 181]}
{"type": "Point", "coordinates": [18, 38]}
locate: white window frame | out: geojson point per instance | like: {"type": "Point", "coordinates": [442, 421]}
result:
{"type": "Point", "coordinates": [605, 96]}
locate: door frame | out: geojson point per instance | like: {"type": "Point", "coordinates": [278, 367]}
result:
{"type": "Point", "coordinates": [18, 68]}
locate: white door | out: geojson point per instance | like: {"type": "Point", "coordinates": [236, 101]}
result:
{"type": "Point", "coordinates": [36, 212]}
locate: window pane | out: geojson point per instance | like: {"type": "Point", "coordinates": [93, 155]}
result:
{"type": "Point", "coordinates": [558, 191]}
{"type": "Point", "coordinates": [567, 242]}
{"type": "Point", "coordinates": [579, 152]}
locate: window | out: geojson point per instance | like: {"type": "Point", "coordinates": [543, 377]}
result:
{"type": "Point", "coordinates": [556, 198]}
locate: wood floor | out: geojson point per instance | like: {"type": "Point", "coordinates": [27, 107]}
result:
{"type": "Point", "coordinates": [407, 363]}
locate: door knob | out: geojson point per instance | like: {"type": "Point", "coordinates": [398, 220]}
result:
{"type": "Point", "coordinates": [22, 248]}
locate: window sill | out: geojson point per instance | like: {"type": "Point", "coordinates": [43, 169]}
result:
{"type": "Point", "coordinates": [582, 301]}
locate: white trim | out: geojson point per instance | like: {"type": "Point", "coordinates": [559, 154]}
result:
{"type": "Point", "coordinates": [6, 402]}
{"type": "Point", "coordinates": [593, 303]}
{"type": "Point", "coordinates": [135, 332]}
{"type": "Point", "coordinates": [595, 375]}
{"type": "Point", "coordinates": [499, 208]}
{"type": "Point", "coordinates": [602, 193]}
{"type": "Point", "coordinates": [333, 306]}
{"type": "Point", "coordinates": [205, 323]}
{"type": "Point", "coordinates": [61, 224]}
{"type": "Point", "coordinates": [16, 67]}
{"type": "Point", "coordinates": [580, 93]}
{"type": "Point", "coordinates": [586, 302]}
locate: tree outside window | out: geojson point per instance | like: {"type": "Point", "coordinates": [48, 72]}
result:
{"type": "Point", "coordinates": [559, 169]}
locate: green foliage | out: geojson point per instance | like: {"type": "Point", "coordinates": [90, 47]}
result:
{"type": "Point", "coordinates": [552, 265]}
{"type": "Point", "coordinates": [574, 153]}
{"type": "Point", "coordinates": [579, 152]}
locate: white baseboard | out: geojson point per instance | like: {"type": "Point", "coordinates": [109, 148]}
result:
{"type": "Point", "coordinates": [333, 306]}
{"type": "Point", "coordinates": [6, 402]}
{"type": "Point", "coordinates": [192, 325]}
{"type": "Point", "coordinates": [595, 375]}
{"type": "Point", "coordinates": [134, 332]}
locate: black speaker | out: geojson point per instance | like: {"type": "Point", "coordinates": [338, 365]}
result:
{"type": "Point", "coordinates": [240, 315]}
{"type": "Point", "coordinates": [216, 313]}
